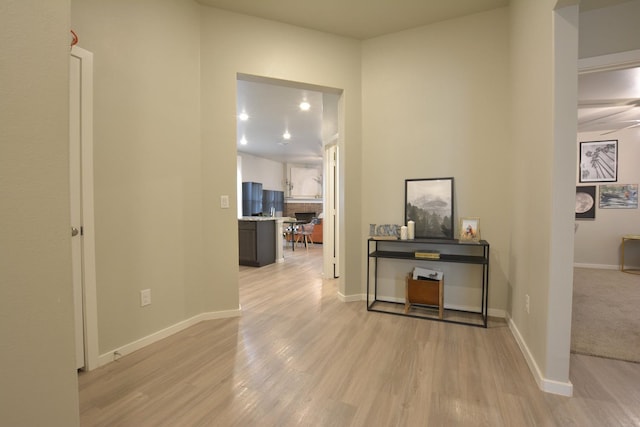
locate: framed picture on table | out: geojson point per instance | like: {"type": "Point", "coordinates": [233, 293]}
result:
{"type": "Point", "coordinates": [469, 229]}
{"type": "Point", "coordinates": [429, 203]}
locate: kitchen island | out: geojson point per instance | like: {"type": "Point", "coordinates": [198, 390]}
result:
{"type": "Point", "coordinates": [260, 240]}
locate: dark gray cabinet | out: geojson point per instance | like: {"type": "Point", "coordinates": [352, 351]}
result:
{"type": "Point", "coordinates": [272, 199]}
{"type": "Point", "coordinates": [257, 242]}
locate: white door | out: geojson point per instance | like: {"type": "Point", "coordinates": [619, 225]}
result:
{"type": "Point", "coordinates": [75, 179]}
{"type": "Point", "coordinates": [81, 207]}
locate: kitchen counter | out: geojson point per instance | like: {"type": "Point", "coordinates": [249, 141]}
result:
{"type": "Point", "coordinates": [265, 218]}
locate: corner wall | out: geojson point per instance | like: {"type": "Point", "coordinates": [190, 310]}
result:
{"type": "Point", "coordinates": [147, 164]}
{"type": "Point", "coordinates": [234, 43]}
{"type": "Point", "coordinates": [436, 104]}
{"type": "Point", "coordinates": [544, 82]}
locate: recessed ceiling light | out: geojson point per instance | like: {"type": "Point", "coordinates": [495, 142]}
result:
{"type": "Point", "coordinates": [243, 141]}
{"type": "Point", "coordinates": [286, 135]}
{"type": "Point", "coordinates": [304, 106]}
{"type": "Point", "coordinates": [243, 116]}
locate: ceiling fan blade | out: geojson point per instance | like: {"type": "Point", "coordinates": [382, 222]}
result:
{"type": "Point", "coordinates": [616, 130]}
{"type": "Point", "coordinates": [606, 116]}
{"type": "Point", "coordinates": [603, 103]}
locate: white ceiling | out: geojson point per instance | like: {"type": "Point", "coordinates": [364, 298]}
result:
{"type": "Point", "coordinates": [607, 100]}
{"type": "Point", "coordinates": [273, 107]}
{"type": "Point", "coordinates": [360, 19]}
{"type": "Point", "coordinates": [363, 19]}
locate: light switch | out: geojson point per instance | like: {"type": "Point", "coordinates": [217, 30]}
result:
{"type": "Point", "coordinates": [224, 202]}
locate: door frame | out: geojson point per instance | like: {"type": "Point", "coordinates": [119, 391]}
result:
{"type": "Point", "coordinates": [89, 300]}
{"type": "Point", "coordinates": [331, 209]}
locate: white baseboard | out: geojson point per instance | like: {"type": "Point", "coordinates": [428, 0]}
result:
{"type": "Point", "coordinates": [494, 312]}
{"type": "Point", "coordinates": [597, 266]}
{"type": "Point", "coordinates": [546, 385]}
{"type": "Point", "coordinates": [351, 298]}
{"type": "Point", "coordinates": [110, 356]}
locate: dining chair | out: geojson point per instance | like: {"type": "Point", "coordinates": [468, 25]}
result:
{"type": "Point", "coordinates": [305, 234]}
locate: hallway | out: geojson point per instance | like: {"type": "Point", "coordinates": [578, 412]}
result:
{"type": "Point", "coordinates": [300, 357]}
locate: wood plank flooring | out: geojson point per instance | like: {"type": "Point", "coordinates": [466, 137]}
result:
{"type": "Point", "coordinates": [300, 357]}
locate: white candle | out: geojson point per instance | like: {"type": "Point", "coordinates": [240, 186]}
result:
{"type": "Point", "coordinates": [403, 232]}
{"type": "Point", "coordinates": [411, 230]}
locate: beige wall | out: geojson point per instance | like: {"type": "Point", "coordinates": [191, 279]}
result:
{"type": "Point", "coordinates": [435, 104]}
{"type": "Point", "coordinates": [542, 228]}
{"type": "Point", "coordinates": [159, 173]}
{"type": "Point", "coordinates": [147, 164]}
{"type": "Point", "coordinates": [37, 369]}
{"type": "Point", "coordinates": [232, 44]}
{"type": "Point", "coordinates": [597, 242]}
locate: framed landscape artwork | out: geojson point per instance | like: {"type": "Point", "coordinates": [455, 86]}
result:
{"type": "Point", "coordinates": [429, 202]}
{"type": "Point", "coordinates": [619, 196]}
{"type": "Point", "coordinates": [599, 161]}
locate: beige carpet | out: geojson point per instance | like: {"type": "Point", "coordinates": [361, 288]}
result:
{"type": "Point", "coordinates": [606, 314]}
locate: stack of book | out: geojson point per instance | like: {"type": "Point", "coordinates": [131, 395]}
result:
{"type": "Point", "coordinates": [427, 254]}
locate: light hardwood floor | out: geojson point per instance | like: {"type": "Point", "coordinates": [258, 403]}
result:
{"type": "Point", "coordinates": [299, 357]}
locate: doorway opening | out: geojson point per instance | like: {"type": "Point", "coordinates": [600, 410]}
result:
{"type": "Point", "coordinates": [608, 100]}
{"type": "Point", "coordinates": [81, 207]}
{"type": "Point", "coordinates": [288, 138]}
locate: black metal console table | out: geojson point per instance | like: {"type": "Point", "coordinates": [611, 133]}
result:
{"type": "Point", "coordinates": [450, 251]}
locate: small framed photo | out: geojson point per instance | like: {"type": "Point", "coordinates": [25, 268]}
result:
{"type": "Point", "coordinates": [599, 161]}
{"type": "Point", "coordinates": [469, 229]}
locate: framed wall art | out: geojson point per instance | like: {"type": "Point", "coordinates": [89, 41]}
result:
{"type": "Point", "coordinates": [469, 229]}
{"type": "Point", "coordinates": [429, 203]}
{"type": "Point", "coordinates": [619, 196]}
{"type": "Point", "coordinates": [599, 161]}
{"type": "Point", "coordinates": [585, 202]}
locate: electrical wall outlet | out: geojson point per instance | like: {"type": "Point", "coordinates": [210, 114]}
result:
{"type": "Point", "coordinates": [526, 303]}
{"type": "Point", "coordinates": [224, 202]}
{"type": "Point", "coordinates": [145, 297]}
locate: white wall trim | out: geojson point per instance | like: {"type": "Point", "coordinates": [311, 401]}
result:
{"type": "Point", "coordinates": [109, 356]}
{"type": "Point", "coordinates": [546, 385]}
{"type": "Point", "coordinates": [351, 298]}
{"type": "Point", "coordinates": [598, 266]}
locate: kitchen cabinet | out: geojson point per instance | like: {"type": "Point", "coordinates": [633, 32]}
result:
{"type": "Point", "coordinates": [257, 242]}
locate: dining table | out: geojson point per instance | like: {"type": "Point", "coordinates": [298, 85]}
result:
{"type": "Point", "coordinates": [293, 224]}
